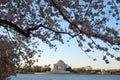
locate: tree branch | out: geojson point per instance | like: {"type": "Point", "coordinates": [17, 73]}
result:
{"type": "Point", "coordinates": [92, 34]}
{"type": "Point", "coordinates": [58, 32]}
{"type": "Point", "coordinates": [64, 15]}
{"type": "Point", "coordinates": [27, 32]}
{"type": "Point", "coordinates": [17, 28]}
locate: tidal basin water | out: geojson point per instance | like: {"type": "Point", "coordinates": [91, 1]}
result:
{"type": "Point", "coordinates": [64, 77]}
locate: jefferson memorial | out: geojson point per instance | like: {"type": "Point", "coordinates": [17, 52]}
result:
{"type": "Point", "coordinates": [59, 67]}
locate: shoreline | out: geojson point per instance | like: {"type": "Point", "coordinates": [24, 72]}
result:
{"type": "Point", "coordinates": [65, 73]}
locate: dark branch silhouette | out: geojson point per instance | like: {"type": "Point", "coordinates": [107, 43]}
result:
{"type": "Point", "coordinates": [8, 24]}
{"type": "Point", "coordinates": [27, 32]}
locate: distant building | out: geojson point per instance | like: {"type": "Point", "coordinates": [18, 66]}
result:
{"type": "Point", "coordinates": [59, 67]}
{"type": "Point", "coordinates": [88, 68]}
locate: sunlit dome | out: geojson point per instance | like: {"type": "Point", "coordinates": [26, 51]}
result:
{"type": "Point", "coordinates": [60, 61]}
{"type": "Point", "coordinates": [60, 67]}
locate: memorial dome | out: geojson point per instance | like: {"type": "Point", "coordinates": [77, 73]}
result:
{"type": "Point", "coordinates": [60, 62]}
{"type": "Point", "coordinates": [59, 67]}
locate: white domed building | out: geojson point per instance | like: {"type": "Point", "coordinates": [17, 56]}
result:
{"type": "Point", "coordinates": [60, 67]}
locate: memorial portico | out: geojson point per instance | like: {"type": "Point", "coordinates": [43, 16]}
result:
{"type": "Point", "coordinates": [59, 67]}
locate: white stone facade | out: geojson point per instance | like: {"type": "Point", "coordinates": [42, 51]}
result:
{"type": "Point", "coordinates": [59, 67]}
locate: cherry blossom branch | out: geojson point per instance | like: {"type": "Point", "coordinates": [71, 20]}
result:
{"type": "Point", "coordinates": [57, 32]}
{"type": "Point", "coordinates": [17, 28]}
{"type": "Point", "coordinates": [27, 32]}
{"type": "Point", "coordinates": [64, 15]}
{"type": "Point", "coordinates": [92, 34]}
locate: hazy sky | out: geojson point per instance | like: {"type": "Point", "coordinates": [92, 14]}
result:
{"type": "Point", "coordinates": [74, 57]}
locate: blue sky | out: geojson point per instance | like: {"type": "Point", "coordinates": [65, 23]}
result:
{"type": "Point", "coordinates": [74, 57]}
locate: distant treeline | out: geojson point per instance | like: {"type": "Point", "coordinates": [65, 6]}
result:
{"type": "Point", "coordinates": [82, 70]}
{"type": "Point", "coordinates": [29, 69]}
{"type": "Point", "coordinates": [96, 71]}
